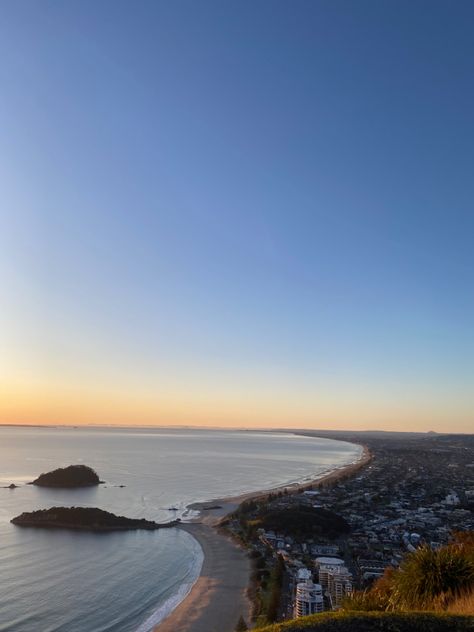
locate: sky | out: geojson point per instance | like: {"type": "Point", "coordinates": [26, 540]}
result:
{"type": "Point", "coordinates": [237, 213]}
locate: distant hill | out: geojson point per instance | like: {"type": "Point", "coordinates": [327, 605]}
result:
{"type": "Point", "coordinates": [71, 476]}
{"type": "Point", "coordinates": [303, 521]}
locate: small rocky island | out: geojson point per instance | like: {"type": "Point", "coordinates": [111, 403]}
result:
{"type": "Point", "coordinates": [67, 477]}
{"type": "Point", "coordinates": [85, 519]}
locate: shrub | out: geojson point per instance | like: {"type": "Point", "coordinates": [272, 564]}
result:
{"type": "Point", "coordinates": [429, 579]}
{"type": "Point", "coordinates": [241, 625]}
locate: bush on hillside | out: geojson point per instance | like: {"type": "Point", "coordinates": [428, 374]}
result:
{"type": "Point", "coordinates": [431, 579]}
{"type": "Point", "coordinates": [426, 580]}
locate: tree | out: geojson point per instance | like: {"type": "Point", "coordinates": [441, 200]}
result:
{"type": "Point", "coordinates": [241, 625]}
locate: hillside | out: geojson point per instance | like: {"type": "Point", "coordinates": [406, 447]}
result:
{"type": "Point", "coordinates": [303, 522]}
{"type": "Point", "coordinates": [376, 622]}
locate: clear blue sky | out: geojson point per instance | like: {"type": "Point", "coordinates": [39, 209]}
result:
{"type": "Point", "coordinates": [254, 212]}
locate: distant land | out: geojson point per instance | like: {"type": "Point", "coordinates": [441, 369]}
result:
{"type": "Point", "coordinates": [299, 430]}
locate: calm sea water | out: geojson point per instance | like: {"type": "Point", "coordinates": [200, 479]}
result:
{"type": "Point", "coordinates": [62, 581]}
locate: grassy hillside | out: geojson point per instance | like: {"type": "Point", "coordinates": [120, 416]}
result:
{"type": "Point", "coordinates": [376, 622]}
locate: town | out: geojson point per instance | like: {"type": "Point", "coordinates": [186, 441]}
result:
{"type": "Point", "coordinates": [333, 538]}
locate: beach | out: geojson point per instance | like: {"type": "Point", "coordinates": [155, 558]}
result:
{"type": "Point", "coordinates": [219, 596]}
{"type": "Point", "coordinates": [153, 474]}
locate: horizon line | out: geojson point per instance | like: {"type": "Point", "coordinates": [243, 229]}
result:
{"type": "Point", "coordinates": [230, 428]}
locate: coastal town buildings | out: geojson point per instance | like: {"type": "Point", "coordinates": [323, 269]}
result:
{"type": "Point", "coordinates": [416, 491]}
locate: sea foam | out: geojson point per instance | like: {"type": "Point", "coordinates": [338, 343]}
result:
{"type": "Point", "coordinates": [173, 602]}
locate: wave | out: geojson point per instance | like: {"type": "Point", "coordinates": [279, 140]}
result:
{"type": "Point", "coordinates": [184, 589]}
{"type": "Point", "coordinates": [195, 569]}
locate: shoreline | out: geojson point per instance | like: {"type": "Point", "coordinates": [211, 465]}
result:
{"type": "Point", "coordinates": [220, 594]}
{"type": "Point", "coordinates": [217, 509]}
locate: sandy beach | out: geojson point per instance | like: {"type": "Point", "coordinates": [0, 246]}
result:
{"type": "Point", "coordinates": [219, 597]}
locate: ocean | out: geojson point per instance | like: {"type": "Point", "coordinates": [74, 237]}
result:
{"type": "Point", "coordinates": [63, 581]}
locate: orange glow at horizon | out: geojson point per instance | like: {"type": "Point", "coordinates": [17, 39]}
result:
{"type": "Point", "coordinates": [47, 405]}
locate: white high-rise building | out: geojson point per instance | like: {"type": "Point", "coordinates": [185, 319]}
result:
{"type": "Point", "coordinates": [309, 598]}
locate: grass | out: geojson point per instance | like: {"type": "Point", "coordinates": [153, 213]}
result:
{"type": "Point", "coordinates": [464, 604]}
{"type": "Point", "coordinates": [377, 622]}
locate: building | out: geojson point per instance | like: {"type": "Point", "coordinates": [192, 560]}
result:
{"type": "Point", "coordinates": [324, 549]}
{"type": "Point", "coordinates": [452, 499]}
{"type": "Point", "coordinates": [339, 586]}
{"type": "Point", "coordinates": [324, 566]}
{"type": "Point", "coordinates": [335, 579]}
{"type": "Point", "coordinates": [303, 575]}
{"type": "Point", "coordinates": [371, 569]}
{"type": "Point", "coordinates": [309, 599]}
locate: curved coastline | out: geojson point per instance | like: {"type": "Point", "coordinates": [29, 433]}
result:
{"type": "Point", "coordinates": [173, 602]}
{"type": "Point", "coordinates": [219, 595]}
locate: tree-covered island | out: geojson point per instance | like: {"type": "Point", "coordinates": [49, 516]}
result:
{"type": "Point", "coordinates": [67, 477]}
{"type": "Point", "coordinates": [85, 519]}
